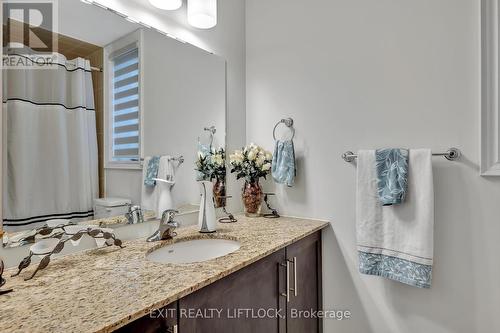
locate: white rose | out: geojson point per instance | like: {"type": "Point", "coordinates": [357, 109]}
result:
{"type": "Point", "coordinates": [266, 167]}
{"type": "Point", "coordinates": [269, 156]}
{"type": "Point", "coordinates": [236, 159]}
{"type": "Point", "coordinates": [237, 156]}
{"type": "Point", "coordinates": [260, 160]}
{"type": "Point", "coordinates": [218, 160]}
{"type": "Point", "coordinates": [252, 155]}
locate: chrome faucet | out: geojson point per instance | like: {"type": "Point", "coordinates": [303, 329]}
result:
{"type": "Point", "coordinates": [134, 215]}
{"type": "Point", "coordinates": [166, 228]}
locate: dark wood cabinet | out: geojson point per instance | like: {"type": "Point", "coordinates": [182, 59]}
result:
{"type": "Point", "coordinates": [244, 302]}
{"type": "Point", "coordinates": [159, 321]}
{"type": "Point", "coordinates": [304, 259]}
{"type": "Point", "coordinates": [274, 295]}
{"type": "Point", "coordinates": [260, 290]}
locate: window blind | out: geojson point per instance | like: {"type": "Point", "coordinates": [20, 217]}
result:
{"type": "Point", "coordinates": [125, 117]}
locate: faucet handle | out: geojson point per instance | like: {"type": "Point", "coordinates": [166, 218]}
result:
{"type": "Point", "coordinates": [134, 214]}
{"type": "Point", "coordinates": [169, 214]}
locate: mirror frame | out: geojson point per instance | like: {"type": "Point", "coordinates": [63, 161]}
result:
{"type": "Point", "coordinates": [490, 73]}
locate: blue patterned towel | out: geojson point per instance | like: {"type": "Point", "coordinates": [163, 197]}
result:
{"type": "Point", "coordinates": [396, 242]}
{"type": "Point", "coordinates": [392, 175]}
{"type": "Point", "coordinates": [152, 171]}
{"type": "Point", "coordinates": [283, 166]}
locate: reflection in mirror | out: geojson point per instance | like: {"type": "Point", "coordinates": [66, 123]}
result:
{"type": "Point", "coordinates": [99, 135]}
{"type": "Point", "coordinates": [211, 165]}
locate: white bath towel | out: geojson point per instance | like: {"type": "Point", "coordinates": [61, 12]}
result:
{"type": "Point", "coordinates": [396, 241]}
{"type": "Point", "coordinates": [150, 194]}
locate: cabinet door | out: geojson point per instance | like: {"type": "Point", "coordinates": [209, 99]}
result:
{"type": "Point", "coordinates": [304, 259]}
{"type": "Point", "coordinates": [159, 321]}
{"type": "Point", "coordinates": [250, 290]}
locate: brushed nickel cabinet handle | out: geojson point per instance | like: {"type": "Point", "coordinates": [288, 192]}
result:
{"type": "Point", "coordinates": [295, 276]}
{"type": "Point", "coordinates": [287, 294]}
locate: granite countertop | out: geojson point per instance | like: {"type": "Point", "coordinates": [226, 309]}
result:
{"type": "Point", "coordinates": [120, 219]}
{"type": "Point", "coordinates": [103, 289]}
{"type": "Point", "coordinates": [11, 239]}
{"type": "Point", "coordinates": [148, 215]}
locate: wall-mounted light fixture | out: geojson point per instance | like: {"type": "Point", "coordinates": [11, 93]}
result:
{"type": "Point", "coordinates": [202, 13]}
{"type": "Point", "coordinates": [141, 23]}
{"type": "Point", "coordinates": [167, 4]}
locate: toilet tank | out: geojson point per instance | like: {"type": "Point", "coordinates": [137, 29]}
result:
{"type": "Point", "coordinates": [110, 207]}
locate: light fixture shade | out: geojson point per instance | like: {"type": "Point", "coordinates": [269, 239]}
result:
{"type": "Point", "coordinates": [167, 4]}
{"type": "Point", "coordinates": [202, 13]}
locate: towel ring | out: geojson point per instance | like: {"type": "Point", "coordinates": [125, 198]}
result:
{"type": "Point", "coordinates": [288, 123]}
{"type": "Point", "coordinates": [211, 130]}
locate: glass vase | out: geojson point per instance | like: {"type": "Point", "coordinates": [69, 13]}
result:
{"type": "Point", "coordinates": [219, 193]}
{"type": "Point", "coordinates": [252, 198]}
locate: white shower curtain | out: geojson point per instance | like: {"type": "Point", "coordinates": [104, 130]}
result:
{"type": "Point", "coordinates": [51, 168]}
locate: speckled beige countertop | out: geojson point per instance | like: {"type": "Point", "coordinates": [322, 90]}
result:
{"type": "Point", "coordinates": [102, 289]}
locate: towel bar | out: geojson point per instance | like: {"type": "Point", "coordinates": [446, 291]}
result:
{"type": "Point", "coordinates": [451, 154]}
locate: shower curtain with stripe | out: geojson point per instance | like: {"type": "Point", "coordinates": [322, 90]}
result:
{"type": "Point", "coordinates": [51, 161]}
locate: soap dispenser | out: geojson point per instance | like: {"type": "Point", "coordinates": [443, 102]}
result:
{"type": "Point", "coordinates": [206, 217]}
{"type": "Point", "coordinates": [165, 198]}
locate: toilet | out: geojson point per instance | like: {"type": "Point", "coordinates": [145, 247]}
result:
{"type": "Point", "coordinates": [110, 207]}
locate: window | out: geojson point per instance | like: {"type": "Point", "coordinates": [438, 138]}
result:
{"type": "Point", "coordinates": [123, 96]}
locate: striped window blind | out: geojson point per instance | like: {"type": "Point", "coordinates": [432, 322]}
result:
{"type": "Point", "coordinates": [125, 117]}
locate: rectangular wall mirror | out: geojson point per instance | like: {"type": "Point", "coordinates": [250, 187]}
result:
{"type": "Point", "coordinates": [79, 130]}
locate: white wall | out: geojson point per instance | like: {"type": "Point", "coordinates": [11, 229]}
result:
{"type": "Point", "coordinates": [184, 91]}
{"type": "Point", "coordinates": [226, 40]}
{"type": "Point", "coordinates": [364, 74]}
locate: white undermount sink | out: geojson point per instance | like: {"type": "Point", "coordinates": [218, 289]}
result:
{"type": "Point", "coordinates": [193, 251]}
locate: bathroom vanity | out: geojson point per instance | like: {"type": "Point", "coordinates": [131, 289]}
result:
{"type": "Point", "coordinates": [253, 299]}
{"type": "Point", "coordinates": [277, 269]}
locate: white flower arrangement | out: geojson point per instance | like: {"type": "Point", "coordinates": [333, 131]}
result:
{"type": "Point", "coordinates": [251, 163]}
{"type": "Point", "coordinates": [212, 165]}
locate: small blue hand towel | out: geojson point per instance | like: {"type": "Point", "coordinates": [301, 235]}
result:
{"type": "Point", "coordinates": [152, 171]}
{"type": "Point", "coordinates": [283, 166]}
{"type": "Point", "coordinates": [392, 175]}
